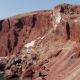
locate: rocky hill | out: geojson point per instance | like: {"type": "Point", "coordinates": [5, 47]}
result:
{"type": "Point", "coordinates": [41, 45]}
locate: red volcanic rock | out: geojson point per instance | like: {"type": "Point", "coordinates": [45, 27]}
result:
{"type": "Point", "coordinates": [14, 31]}
{"type": "Point", "coordinates": [42, 45]}
{"type": "Point", "coordinates": [36, 75]}
{"type": "Point", "coordinates": [39, 78]}
{"type": "Point", "coordinates": [8, 74]}
{"type": "Point", "coordinates": [68, 9]}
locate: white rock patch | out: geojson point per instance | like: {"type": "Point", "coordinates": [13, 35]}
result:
{"type": "Point", "coordinates": [28, 47]}
{"type": "Point", "coordinates": [31, 44]}
{"type": "Point", "coordinates": [56, 19]}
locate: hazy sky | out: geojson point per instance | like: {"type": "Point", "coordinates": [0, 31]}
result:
{"type": "Point", "coordinates": [13, 7]}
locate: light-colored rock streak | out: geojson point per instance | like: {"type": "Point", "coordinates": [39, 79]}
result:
{"type": "Point", "coordinates": [73, 74]}
{"type": "Point", "coordinates": [57, 19]}
{"type": "Point", "coordinates": [3, 58]}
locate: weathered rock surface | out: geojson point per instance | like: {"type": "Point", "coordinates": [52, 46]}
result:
{"type": "Point", "coordinates": [42, 45]}
{"type": "Point", "coordinates": [14, 31]}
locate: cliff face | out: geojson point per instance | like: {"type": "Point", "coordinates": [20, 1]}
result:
{"type": "Point", "coordinates": [14, 31]}
{"type": "Point", "coordinates": [43, 45]}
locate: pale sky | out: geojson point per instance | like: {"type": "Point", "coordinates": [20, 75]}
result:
{"type": "Point", "coordinates": [13, 7]}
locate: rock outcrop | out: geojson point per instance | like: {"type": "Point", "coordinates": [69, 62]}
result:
{"type": "Point", "coordinates": [14, 31]}
{"type": "Point", "coordinates": [42, 45]}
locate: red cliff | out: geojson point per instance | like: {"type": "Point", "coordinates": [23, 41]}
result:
{"type": "Point", "coordinates": [42, 45]}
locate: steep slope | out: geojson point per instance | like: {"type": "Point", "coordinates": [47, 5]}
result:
{"type": "Point", "coordinates": [15, 30]}
{"type": "Point", "coordinates": [43, 45]}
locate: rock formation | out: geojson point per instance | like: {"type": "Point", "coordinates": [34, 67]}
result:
{"type": "Point", "coordinates": [42, 45]}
